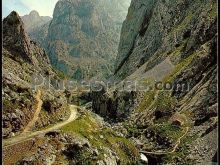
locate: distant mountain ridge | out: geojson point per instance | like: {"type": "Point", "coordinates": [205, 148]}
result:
{"type": "Point", "coordinates": [82, 38]}
{"type": "Point", "coordinates": [34, 20]}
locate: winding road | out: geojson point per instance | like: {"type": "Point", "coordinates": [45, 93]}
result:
{"type": "Point", "coordinates": [28, 135]}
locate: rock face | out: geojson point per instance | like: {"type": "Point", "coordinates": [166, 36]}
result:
{"type": "Point", "coordinates": [83, 36]}
{"type": "Point", "coordinates": [175, 42]}
{"type": "Point", "coordinates": [37, 27]}
{"type": "Point", "coordinates": [161, 27]}
{"type": "Point", "coordinates": [114, 106]}
{"type": "Point", "coordinates": [33, 20]}
{"type": "Point", "coordinates": [23, 58]}
{"type": "Point", "coordinates": [22, 43]}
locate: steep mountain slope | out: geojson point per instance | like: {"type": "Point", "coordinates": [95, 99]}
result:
{"type": "Point", "coordinates": [23, 59]}
{"type": "Point", "coordinates": [37, 27]}
{"type": "Point", "coordinates": [161, 28]}
{"type": "Point", "coordinates": [83, 36]}
{"type": "Point", "coordinates": [172, 42]}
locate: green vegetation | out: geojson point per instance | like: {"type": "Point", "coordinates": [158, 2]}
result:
{"type": "Point", "coordinates": [213, 11]}
{"type": "Point", "coordinates": [82, 126]}
{"type": "Point", "coordinates": [182, 152]}
{"type": "Point", "coordinates": [85, 126]}
{"type": "Point", "coordinates": [175, 56]}
{"type": "Point", "coordinates": [164, 101]}
{"type": "Point", "coordinates": [168, 130]}
{"type": "Point", "coordinates": [9, 106]}
{"type": "Point", "coordinates": [59, 73]}
{"type": "Point", "coordinates": [157, 99]}
{"type": "Point", "coordinates": [147, 100]}
{"type": "Point", "coordinates": [179, 67]}
{"type": "Point", "coordinates": [177, 51]}
{"type": "Point", "coordinates": [132, 129]}
{"type": "Point", "coordinates": [182, 25]}
{"type": "Point", "coordinates": [78, 75]}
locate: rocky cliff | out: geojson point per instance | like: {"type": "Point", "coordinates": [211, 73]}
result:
{"type": "Point", "coordinates": [83, 37]}
{"type": "Point", "coordinates": [171, 42]}
{"type": "Point", "coordinates": [34, 20]}
{"type": "Point", "coordinates": [22, 59]}
{"type": "Point", "coordinates": [37, 27]}
{"type": "Point", "coordinates": [157, 28]}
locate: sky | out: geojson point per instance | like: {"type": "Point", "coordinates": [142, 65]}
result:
{"type": "Point", "coordinates": [23, 7]}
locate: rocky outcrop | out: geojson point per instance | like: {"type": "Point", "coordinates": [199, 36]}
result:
{"type": "Point", "coordinates": [83, 37]}
{"type": "Point", "coordinates": [22, 59]}
{"type": "Point", "coordinates": [113, 105]}
{"type": "Point", "coordinates": [18, 40]}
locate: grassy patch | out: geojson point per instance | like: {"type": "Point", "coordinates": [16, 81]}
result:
{"type": "Point", "coordinates": [177, 51]}
{"type": "Point", "coordinates": [213, 11]}
{"type": "Point", "coordinates": [132, 129]}
{"type": "Point", "coordinates": [179, 67]}
{"type": "Point", "coordinates": [175, 56]}
{"type": "Point", "coordinates": [82, 126]}
{"type": "Point", "coordinates": [87, 127]}
{"type": "Point", "coordinates": [147, 100]}
{"type": "Point", "coordinates": [164, 101]}
{"type": "Point", "coordinates": [184, 23]}
{"type": "Point", "coordinates": [168, 130]}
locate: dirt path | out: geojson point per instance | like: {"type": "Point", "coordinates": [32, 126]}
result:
{"type": "Point", "coordinates": [174, 148]}
{"type": "Point", "coordinates": [179, 140]}
{"type": "Point", "coordinates": [37, 112]}
{"type": "Point", "coordinates": [25, 136]}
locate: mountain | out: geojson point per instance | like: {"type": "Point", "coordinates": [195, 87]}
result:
{"type": "Point", "coordinates": [168, 48]}
{"type": "Point", "coordinates": [37, 27]}
{"type": "Point", "coordinates": [34, 20]}
{"type": "Point", "coordinates": [23, 59]}
{"type": "Point", "coordinates": [159, 105]}
{"type": "Point", "coordinates": [39, 125]}
{"type": "Point", "coordinates": [83, 37]}
{"type": "Point", "coordinates": [173, 29]}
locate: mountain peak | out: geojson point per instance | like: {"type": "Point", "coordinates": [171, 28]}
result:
{"type": "Point", "coordinates": [15, 38]}
{"type": "Point", "coordinates": [34, 13]}
{"type": "Point", "coordinates": [13, 18]}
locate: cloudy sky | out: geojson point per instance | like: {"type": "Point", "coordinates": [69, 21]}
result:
{"type": "Point", "coordinates": [44, 7]}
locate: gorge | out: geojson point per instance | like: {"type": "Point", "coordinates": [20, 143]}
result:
{"type": "Point", "coordinates": [123, 43]}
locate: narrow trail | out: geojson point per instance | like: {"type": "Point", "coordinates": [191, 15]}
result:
{"type": "Point", "coordinates": [179, 140]}
{"type": "Point", "coordinates": [174, 148]}
{"type": "Point", "coordinates": [37, 112]}
{"type": "Point", "coordinates": [26, 136]}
